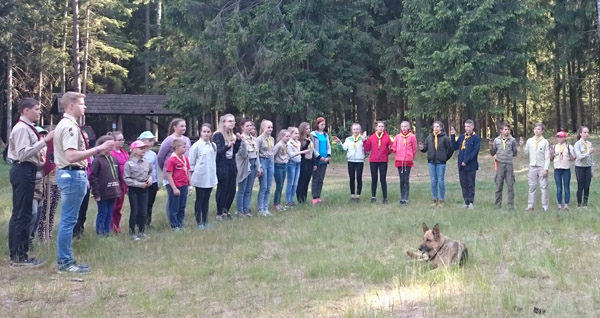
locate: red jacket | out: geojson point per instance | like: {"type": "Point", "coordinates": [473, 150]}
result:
{"type": "Point", "coordinates": [405, 148]}
{"type": "Point", "coordinates": [379, 153]}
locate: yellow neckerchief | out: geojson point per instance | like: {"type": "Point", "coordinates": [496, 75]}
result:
{"type": "Point", "coordinates": [435, 134]}
{"type": "Point", "coordinates": [587, 147]}
{"type": "Point", "coordinates": [295, 144]}
{"type": "Point", "coordinates": [464, 143]}
{"type": "Point", "coordinates": [537, 141]}
{"type": "Point", "coordinates": [183, 161]}
{"type": "Point", "coordinates": [405, 136]}
{"type": "Point", "coordinates": [310, 143]}
{"type": "Point", "coordinates": [561, 149]}
{"type": "Point", "coordinates": [504, 143]}
{"type": "Point", "coordinates": [284, 148]}
{"type": "Point", "coordinates": [268, 142]}
{"type": "Point", "coordinates": [379, 138]}
{"type": "Point", "coordinates": [249, 140]}
{"type": "Point", "coordinates": [356, 139]}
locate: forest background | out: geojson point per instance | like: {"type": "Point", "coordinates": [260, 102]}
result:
{"type": "Point", "coordinates": [520, 61]}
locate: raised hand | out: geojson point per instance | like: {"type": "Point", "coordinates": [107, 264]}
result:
{"type": "Point", "coordinates": [452, 130]}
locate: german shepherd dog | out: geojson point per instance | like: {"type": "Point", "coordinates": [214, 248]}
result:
{"type": "Point", "coordinates": [439, 250]}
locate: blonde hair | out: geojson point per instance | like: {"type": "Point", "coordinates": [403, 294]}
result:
{"type": "Point", "coordinates": [227, 134]}
{"type": "Point", "coordinates": [263, 125]}
{"type": "Point", "coordinates": [291, 130]}
{"type": "Point", "coordinates": [356, 124]}
{"type": "Point", "coordinates": [282, 134]}
{"type": "Point", "coordinates": [70, 98]}
{"type": "Point", "coordinates": [177, 143]}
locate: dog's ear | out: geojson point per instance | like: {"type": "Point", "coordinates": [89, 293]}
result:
{"type": "Point", "coordinates": [425, 228]}
{"type": "Point", "coordinates": [436, 231]}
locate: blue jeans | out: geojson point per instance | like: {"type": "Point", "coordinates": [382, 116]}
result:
{"type": "Point", "coordinates": [176, 210]}
{"type": "Point", "coordinates": [562, 177]}
{"type": "Point", "coordinates": [244, 194]}
{"type": "Point", "coordinates": [265, 180]}
{"type": "Point", "coordinates": [280, 169]}
{"type": "Point", "coordinates": [105, 211]}
{"type": "Point", "coordinates": [73, 187]}
{"type": "Point", "coordinates": [437, 172]}
{"type": "Point", "coordinates": [293, 173]}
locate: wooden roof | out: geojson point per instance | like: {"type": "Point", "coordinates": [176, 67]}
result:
{"type": "Point", "coordinates": [120, 104]}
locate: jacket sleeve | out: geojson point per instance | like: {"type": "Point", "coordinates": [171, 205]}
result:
{"type": "Point", "coordinates": [291, 150]}
{"type": "Point", "coordinates": [129, 178]}
{"type": "Point", "coordinates": [394, 144]}
{"type": "Point", "coordinates": [526, 148]}
{"type": "Point", "coordinates": [414, 145]}
{"type": "Point", "coordinates": [163, 151]}
{"type": "Point", "coordinates": [367, 144]}
{"type": "Point", "coordinates": [345, 144]}
{"type": "Point", "coordinates": [328, 145]}
{"type": "Point", "coordinates": [515, 147]}
{"type": "Point", "coordinates": [493, 150]}
{"type": "Point", "coordinates": [547, 156]}
{"type": "Point", "coordinates": [222, 146]}
{"type": "Point", "coordinates": [455, 143]}
{"type": "Point", "coordinates": [449, 148]}
{"type": "Point", "coordinates": [315, 141]}
{"type": "Point", "coordinates": [426, 144]}
{"type": "Point", "coordinates": [578, 153]}
{"type": "Point", "coordinates": [94, 178]}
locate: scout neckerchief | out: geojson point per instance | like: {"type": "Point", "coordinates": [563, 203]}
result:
{"type": "Point", "coordinates": [561, 149]}
{"type": "Point", "coordinates": [356, 139]}
{"type": "Point", "coordinates": [464, 143]}
{"type": "Point", "coordinates": [284, 149]}
{"type": "Point", "coordinates": [537, 141]}
{"type": "Point", "coordinates": [435, 134]}
{"type": "Point", "coordinates": [504, 140]}
{"type": "Point", "coordinates": [182, 161]}
{"type": "Point", "coordinates": [111, 163]}
{"type": "Point", "coordinates": [268, 142]}
{"type": "Point", "coordinates": [295, 144]}
{"type": "Point", "coordinates": [250, 141]}
{"type": "Point", "coordinates": [405, 136]}
{"type": "Point", "coordinates": [587, 146]}
{"type": "Point", "coordinates": [32, 128]}
{"type": "Point", "coordinates": [379, 138]}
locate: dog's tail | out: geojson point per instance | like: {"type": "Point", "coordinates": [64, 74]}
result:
{"type": "Point", "coordinates": [464, 256]}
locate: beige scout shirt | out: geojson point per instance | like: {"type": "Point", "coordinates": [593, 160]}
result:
{"type": "Point", "coordinates": [539, 152]}
{"type": "Point", "coordinates": [23, 143]}
{"type": "Point", "coordinates": [67, 135]}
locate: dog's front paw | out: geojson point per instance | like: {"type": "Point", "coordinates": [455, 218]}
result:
{"type": "Point", "coordinates": [417, 254]}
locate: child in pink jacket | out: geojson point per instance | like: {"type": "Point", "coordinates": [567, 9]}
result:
{"type": "Point", "coordinates": [405, 147]}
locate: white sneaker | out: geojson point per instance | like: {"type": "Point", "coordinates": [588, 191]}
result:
{"type": "Point", "coordinates": [471, 207]}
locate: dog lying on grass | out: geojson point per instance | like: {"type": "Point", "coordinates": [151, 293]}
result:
{"type": "Point", "coordinates": [438, 249]}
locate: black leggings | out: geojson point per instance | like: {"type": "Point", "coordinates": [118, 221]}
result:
{"type": "Point", "coordinates": [138, 203]}
{"type": "Point", "coordinates": [152, 190]}
{"type": "Point", "coordinates": [404, 173]}
{"type": "Point", "coordinates": [380, 167]}
{"type": "Point", "coordinates": [355, 171]}
{"type": "Point", "coordinates": [201, 205]}
{"type": "Point", "coordinates": [226, 187]}
{"type": "Point", "coordinates": [584, 178]}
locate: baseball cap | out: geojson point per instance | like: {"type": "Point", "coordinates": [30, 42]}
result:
{"type": "Point", "coordinates": [146, 135]}
{"type": "Point", "coordinates": [561, 134]}
{"type": "Point", "coordinates": [137, 144]}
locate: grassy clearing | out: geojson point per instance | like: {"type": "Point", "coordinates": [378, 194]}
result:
{"type": "Point", "coordinates": [335, 260]}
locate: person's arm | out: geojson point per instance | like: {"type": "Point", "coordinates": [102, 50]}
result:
{"type": "Point", "coordinates": [515, 147]}
{"type": "Point", "coordinates": [315, 141]}
{"type": "Point", "coordinates": [526, 148]}
{"type": "Point", "coordinates": [291, 150]}
{"type": "Point", "coordinates": [23, 148]}
{"type": "Point", "coordinates": [426, 144]}
{"type": "Point", "coordinates": [493, 149]}
{"type": "Point", "coordinates": [571, 151]}
{"type": "Point", "coordinates": [455, 142]}
{"type": "Point", "coordinates": [579, 154]}
{"type": "Point", "coordinates": [367, 144]}
{"type": "Point", "coordinates": [222, 145]}
{"type": "Point", "coordinates": [194, 156]}
{"type": "Point", "coordinates": [449, 148]}
{"type": "Point", "coordinates": [414, 145]}
{"type": "Point", "coordinates": [328, 146]}
{"type": "Point", "coordinates": [163, 151]}
{"type": "Point", "coordinates": [394, 145]}
{"type": "Point", "coordinates": [169, 167]}
{"type": "Point", "coordinates": [547, 156]}
{"type": "Point", "coordinates": [80, 155]}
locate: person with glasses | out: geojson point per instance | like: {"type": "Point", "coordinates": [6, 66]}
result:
{"type": "Point", "coordinates": [228, 144]}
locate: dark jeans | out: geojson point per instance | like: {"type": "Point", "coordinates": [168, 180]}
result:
{"type": "Point", "coordinates": [306, 170]}
{"type": "Point", "coordinates": [104, 216]}
{"type": "Point", "coordinates": [226, 187]}
{"type": "Point", "coordinates": [201, 205]}
{"type": "Point", "coordinates": [562, 178]}
{"type": "Point", "coordinates": [79, 227]}
{"type": "Point", "coordinates": [152, 190]}
{"type": "Point", "coordinates": [584, 178]}
{"type": "Point", "coordinates": [404, 173]}
{"type": "Point", "coordinates": [381, 169]}
{"type": "Point", "coordinates": [280, 172]}
{"type": "Point", "coordinates": [355, 170]}
{"type": "Point", "coordinates": [467, 184]}
{"type": "Point", "coordinates": [138, 204]}
{"type": "Point", "coordinates": [22, 179]}
{"type": "Point", "coordinates": [176, 211]}
{"type": "Point", "coordinates": [318, 178]}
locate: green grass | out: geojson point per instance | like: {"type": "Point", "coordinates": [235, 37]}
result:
{"type": "Point", "coordinates": [334, 260]}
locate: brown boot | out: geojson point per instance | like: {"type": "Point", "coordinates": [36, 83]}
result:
{"type": "Point", "coordinates": [440, 203]}
{"type": "Point", "coordinates": [434, 203]}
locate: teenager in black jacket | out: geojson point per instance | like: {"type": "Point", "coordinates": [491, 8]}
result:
{"type": "Point", "coordinates": [439, 150]}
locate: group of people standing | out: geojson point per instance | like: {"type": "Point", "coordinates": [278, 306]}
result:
{"type": "Point", "coordinates": [232, 161]}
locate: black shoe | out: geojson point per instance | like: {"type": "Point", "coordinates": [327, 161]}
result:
{"type": "Point", "coordinates": [385, 201]}
{"type": "Point", "coordinates": [373, 200]}
{"type": "Point", "coordinates": [27, 263]}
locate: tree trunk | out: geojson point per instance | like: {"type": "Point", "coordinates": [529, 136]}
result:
{"type": "Point", "coordinates": [573, 97]}
{"type": "Point", "coordinates": [86, 48]}
{"type": "Point", "coordinates": [515, 115]}
{"type": "Point", "coordinates": [63, 79]}
{"type": "Point", "coordinates": [9, 86]}
{"type": "Point", "coordinates": [75, 48]}
{"type": "Point", "coordinates": [525, 115]}
{"type": "Point", "coordinates": [147, 54]}
{"type": "Point", "coordinates": [557, 89]}
{"type": "Point", "coordinates": [598, 23]}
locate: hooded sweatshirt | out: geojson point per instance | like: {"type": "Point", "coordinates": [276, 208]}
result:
{"type": "Point", "coordinates": [405, 147]}
{"type": "Point", "coordinates": [105, 178]}
{"type": "Point", "coordinates": [355, 151]}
